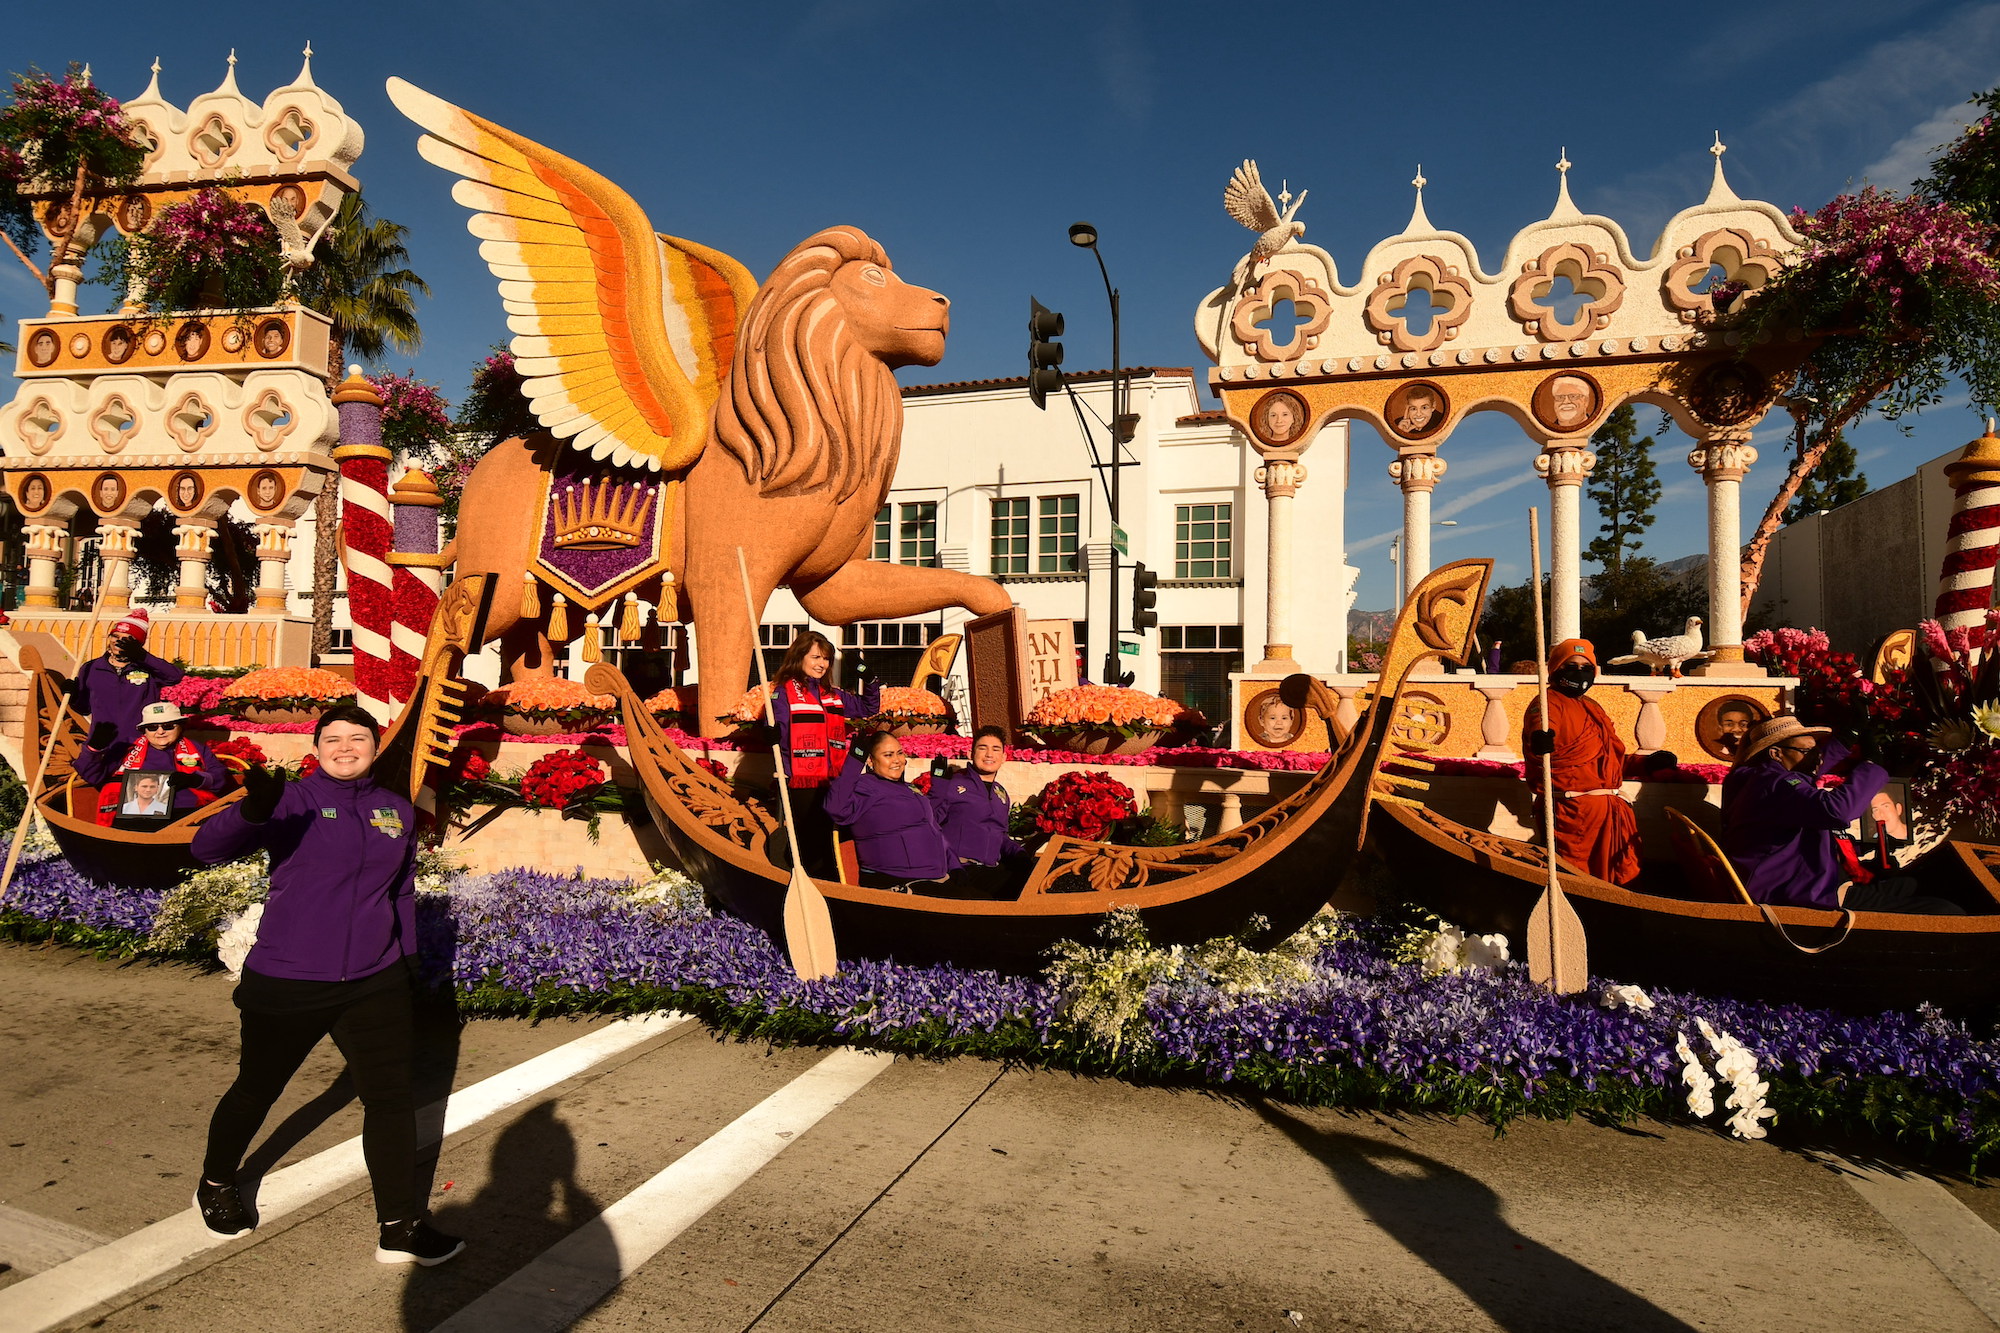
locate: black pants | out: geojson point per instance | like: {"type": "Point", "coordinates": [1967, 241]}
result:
{"type": "Point", "coordinates": [815, 833]}
{"type": "Point", "coordinates": [1898, 893]}
{"type": "Point", "coordinates": [375, 1033]}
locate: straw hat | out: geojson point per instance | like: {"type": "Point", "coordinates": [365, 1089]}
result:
{"type": "Point", "coordinates": [1775, 731]}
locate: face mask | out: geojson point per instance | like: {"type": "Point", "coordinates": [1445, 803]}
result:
{"type": "Point", "coordinates": [1574, 679]}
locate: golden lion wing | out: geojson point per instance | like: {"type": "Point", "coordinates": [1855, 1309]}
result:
{"type": "Point", "coordinates": [623, 336]}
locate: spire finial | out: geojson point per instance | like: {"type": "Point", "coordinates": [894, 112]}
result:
{"type": "Point", "coordinates": [1563, 165]}
{"type": "Point", "coordinates": [232, 59]}
{"type": "Point", "coordinates": [305, 78]}
{"type": "Point", "coordinates": [1419, 220]}
{"type": "Point", "coordinates": [156, 67]}
{"type": "Point", "coordinates": [309, 48]}
{"type": "Point", "coordinates": [152, 93]}
{"type": "Point", "coordinates": [86, 71]}
{"type": "Point", "coordinates": [1565, 206]}
{"type": "Point", "coordinates": [1284, 193]}
{"type": "Point", "coordinates": [1718, 186]}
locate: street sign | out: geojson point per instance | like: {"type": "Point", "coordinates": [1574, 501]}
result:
{"type": "Point", "coordinates": [1129, 649]}
{"type": "Point", "coordinates": [1119, 541]}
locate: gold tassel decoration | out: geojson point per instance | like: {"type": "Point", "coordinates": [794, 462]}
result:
{"type": "Point", "coordinates": [559, 619]}
{"type": "Point", "coordinates": [531, 605]}
{"type": "Point", "coordinates": [593, 640]}
{"type": "Point", "coordinates": [629, 623]}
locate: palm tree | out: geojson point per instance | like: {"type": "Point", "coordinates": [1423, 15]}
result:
{"type": "Point", "coordinates": [357, 281]}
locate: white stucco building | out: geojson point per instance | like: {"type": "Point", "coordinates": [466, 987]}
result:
{"type": "Point", "coordinates": [989, 484]}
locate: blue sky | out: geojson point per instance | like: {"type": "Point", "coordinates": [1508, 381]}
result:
{"type": "Point", "coordinates": [967, 136]}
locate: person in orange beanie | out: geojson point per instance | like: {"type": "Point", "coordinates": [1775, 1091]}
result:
{"type": "Point", "coordinates": [1595, 828]}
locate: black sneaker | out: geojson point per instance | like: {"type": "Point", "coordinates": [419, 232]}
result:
{"type": "Point", "coordinates": [222, 1210]}
{"type": "Point", "coordinates": [415, 1242]}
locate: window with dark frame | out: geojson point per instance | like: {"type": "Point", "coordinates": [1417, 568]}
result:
{"type": "Point", "coordinates": [1204, 541]}
{"type": "Point", "coordinates": [916, 533]}
{"type": "Point", "coordinates": [1056, 524]}
{"type": "Point", "coordinates": [1010, 536]}
{"type": "Point", "coordinates": [1195, 665]}
{"type": "Point", "coordinates": [880, 548]}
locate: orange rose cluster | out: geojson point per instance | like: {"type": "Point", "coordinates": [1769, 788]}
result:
{"type": "Point", "coordinates": [905, 701]}
{"type": "Point", "coordinates": [304, 685]}
{"type": "Point", "coordinates": [1085, 706]}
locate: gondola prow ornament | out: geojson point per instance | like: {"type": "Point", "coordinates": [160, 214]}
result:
{"type": "Point", "coordinates": [684, 408]}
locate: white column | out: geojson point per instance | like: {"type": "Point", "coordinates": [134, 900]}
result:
{"type": "Point", "coordinates": [1564, 464]}
{"type": "Point", "coordinates": [1418, 475]}
{"type": "Point", "coordinates": [274, 551]}
{"type": "Point", "coordinates": [116, 549]}
{"type": "Point", "coordinates": [1281, 479]}
{"type": "Point", "coordinates": [1723, 459]}
{"type": "Point", "coordinates": [44, 550]}
{"type": "Point", "coordinates": [195, 542]}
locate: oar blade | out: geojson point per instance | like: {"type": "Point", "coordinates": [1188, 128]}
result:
{"type": "Point", "coordinates": [808, 928]}
{"type": "Point", "coordinates": [1557, 955]}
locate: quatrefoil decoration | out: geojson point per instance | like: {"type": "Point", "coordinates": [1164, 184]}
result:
{"type": "Point", "coordinates": [289, 134]}
{"type": "Point", "coordinates": [1743, 259]}
{"type": "Point", "coordinates": [1446, 299]}
{"type": "Point", "coordinates": [1256, 310]}
{"type": "Point", "coordinates": [213, 140]}
{"type": "Point", "coordinates": [1591, 275]}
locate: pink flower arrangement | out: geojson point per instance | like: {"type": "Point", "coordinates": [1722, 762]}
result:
{"type": "Point", "coordinates": [1896, 249]}
{"type": "Point", "coordinates": [209, 249]}
{"type": "Point", "coordinates": [198, 696]}
{"type": "Point", "coordinates": [415, 416]}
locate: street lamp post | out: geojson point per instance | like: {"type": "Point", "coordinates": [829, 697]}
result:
{"type": "Point", "coordinates": [1084, 236]}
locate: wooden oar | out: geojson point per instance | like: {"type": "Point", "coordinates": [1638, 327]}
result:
{"type": "Point", "coordinates": [808, 925]}
{"type": "Point", "coordinates": [1557, 956]}
{"type": "Point", "coordinates": [48, 747]}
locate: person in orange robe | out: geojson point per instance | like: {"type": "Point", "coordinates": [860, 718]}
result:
{"type": "Point", "coordinates": [1595, 829]}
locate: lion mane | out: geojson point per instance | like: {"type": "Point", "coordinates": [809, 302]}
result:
{"type": "Point", "coordinates": [807, 406]}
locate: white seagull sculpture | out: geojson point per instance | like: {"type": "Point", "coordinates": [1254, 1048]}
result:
{"type": "Point", "coordinates": [1251, 204]}
{"type": "Point", "coordinates": [1665, 653]}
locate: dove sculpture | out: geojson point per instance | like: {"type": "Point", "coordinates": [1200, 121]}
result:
{"type": "Point", "coordinates": [1251, 204]}
{"type": "Point", "coordinates": [1667, 652]}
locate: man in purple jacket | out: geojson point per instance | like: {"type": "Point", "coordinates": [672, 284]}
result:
{"type": "Point", "coordinates": [114, 689]}
{"type": "Point", "coordinates": [1784, 831]}
{"type": "Point", "coordinates": [974, 809]}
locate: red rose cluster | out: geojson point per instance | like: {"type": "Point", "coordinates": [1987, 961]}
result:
{"type": "Point", "coordinates": [554, 780]}
{"type": "Point", "coordinates": [469, 765]}
{"type": "Point", "coordinates": [1083, 805]}
{"type": "Point", "coordinates": [241, 748]}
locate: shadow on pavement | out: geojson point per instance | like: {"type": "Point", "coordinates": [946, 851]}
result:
{"type": "Point", "coordinates": [1453, 1223]}
{"type": "Point", "coordinates": [531, 1201]}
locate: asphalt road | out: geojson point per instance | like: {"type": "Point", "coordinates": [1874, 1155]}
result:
{"type": "Point", "coordinates": [656, 1178]}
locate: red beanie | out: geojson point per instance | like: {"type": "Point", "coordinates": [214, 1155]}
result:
{"type": "Point", "coordinates": [134, 623]}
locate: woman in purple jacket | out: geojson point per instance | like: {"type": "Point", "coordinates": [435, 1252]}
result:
{"type": "Point", "coordinates": [1784, 832]}
{"type": "Point", "coordinates": [335, 954]}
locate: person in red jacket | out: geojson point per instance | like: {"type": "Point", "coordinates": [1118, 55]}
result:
{"type": "Point", "coordinates": [814, 717]}
{"type": "Point", "coordinates": [1595, 829]}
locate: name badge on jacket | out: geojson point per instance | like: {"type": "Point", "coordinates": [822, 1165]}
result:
{"type": "Point", "coordinates": [389, 821]}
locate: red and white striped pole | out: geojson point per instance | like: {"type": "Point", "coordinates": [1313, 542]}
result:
{"type": "Point", "coordinates": [365, 531]}
{"type": "Point", "coordinates": [419, 578]}
{"type": "Point", "coordinates": [1972, 545]}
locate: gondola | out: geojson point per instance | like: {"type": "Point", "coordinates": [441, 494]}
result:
{"type": "Point", "coordinates": [1264, 878]}
{"type": "Point", "coordinates": [1489, 884]}
{"type": "Point", "coordinates": [419, 739]}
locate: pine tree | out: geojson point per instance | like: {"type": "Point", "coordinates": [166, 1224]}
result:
{"type": "Point", "coordinates": [1830, 485]}
{"type": "Point", "coordinates": [1624, 487]}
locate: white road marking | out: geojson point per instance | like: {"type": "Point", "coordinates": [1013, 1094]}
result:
{"type": "Point", "coordinates": [32, 1244]}
{"type": "Point", "coordinates": [74, 1287]}
{"type": "Point", "coordinates": [554, 1290]}
{"type": "Point", "coordinates": [1953, 1237]}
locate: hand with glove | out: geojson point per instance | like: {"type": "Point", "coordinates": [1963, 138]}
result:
{"type": "Point", "coordinates": [184, 781]}
{"type": "Point", "coordinates": [1541, 743]}
{"type": "Point", "coordinates": [261, 790]}
{"type": "Point", "coordinates": [101, 736]}
{"type": "Point", "coordinates": [940, 769]}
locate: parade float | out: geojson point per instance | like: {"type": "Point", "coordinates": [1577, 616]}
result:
{"type": "Point", "coordinates": [688, 409]}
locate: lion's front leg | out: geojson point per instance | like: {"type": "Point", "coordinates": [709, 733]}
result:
{"type": "Point", "coordinates": [875, 590]}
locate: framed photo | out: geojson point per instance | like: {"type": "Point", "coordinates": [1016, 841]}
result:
{"type": "Point", "coordinates": [185, 492]}
{"type": "Point", "coordinates": [1723, 723]}
{"type": "Point", "coordinates": [1567, 403]}
{"type": "Point", "coordinates": [144, 794]}
{"type": "Point", "coordinates": [192, 342]}
{"type": "Point", "coordinates": [134, 212]}
{"type": "Point", "coordinates": [293, 196]}
{"type": "Point", "coordinates": [36, 492]}
{"type": "Point", "coordinates": [266, 491]}
{"type": "Point", "coordinates": [1418, 410]}
{"type": "Point", "coordinates": [1270, 721]}
{"type": "Point", "coordinates": [273, 339]}
{"type": "Point", "coordinates": [43, 349]}
{"type": "Point", "coordinates": [107, 492]}
{"type": "Point", "coordinates": [119, 344]}
{"type": "Point", "coordinates": [1280, 418]}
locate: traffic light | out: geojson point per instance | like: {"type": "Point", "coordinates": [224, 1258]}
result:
{"type": "Point", "coordinates": [1144, 581]}
{"type": "Point", "coordinates": [1044, 352]}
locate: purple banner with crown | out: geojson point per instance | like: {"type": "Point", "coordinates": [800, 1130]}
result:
{"type": "Point", "coordinates": [602, 529]}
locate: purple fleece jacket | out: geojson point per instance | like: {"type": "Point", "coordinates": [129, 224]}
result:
{"type": "Point", "coordinates": [105, 691]}
{"type": "Point", "coordinates": [343, 877]}
{"type": "Point", "coordinates": [895, 831]}
{"type": "Point", "coordinates": [1778, 827]}
{"type": "Point", "coordinates": [974, 815]}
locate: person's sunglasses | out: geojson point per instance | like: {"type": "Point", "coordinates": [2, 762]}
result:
{"type": "Point", "coordinates": [159, 726]}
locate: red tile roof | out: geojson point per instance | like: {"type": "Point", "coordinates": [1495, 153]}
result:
{"type": "Point", "coordinates": [1213, 416]}
{"type": "Point", "coordinates": [1021, 381]}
